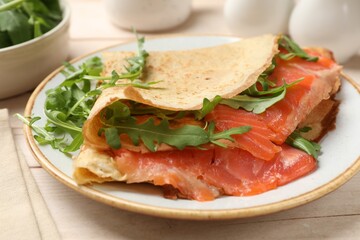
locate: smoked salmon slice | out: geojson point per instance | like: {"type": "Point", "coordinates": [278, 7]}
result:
{"type": "Point", "coordinates": [180, 169]}
{"type": "Point", "coordinates": [271, 128]}
{"type": "Point", "coordinates": [257, 141]}
{"type": "Point", "coordinates": [319, 82]}
{"type": "Point", "coordinates": [203, 175]}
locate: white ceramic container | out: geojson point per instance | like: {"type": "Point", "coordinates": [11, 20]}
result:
{"type": "Point", "coordinates": [334, 24]}
{"type": "Point", "coordinates": [248, 18]}
{"type": "Point", "coordinates": [24, 66]}
{"type": "Point", "coordinates": [148, 15]}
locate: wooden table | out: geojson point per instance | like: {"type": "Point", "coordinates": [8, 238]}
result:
{"type": "Point", "coordinates": [335, 216]}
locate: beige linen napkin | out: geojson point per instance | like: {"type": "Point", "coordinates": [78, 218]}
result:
{"type": "Point", "coordinates": [23, 212]}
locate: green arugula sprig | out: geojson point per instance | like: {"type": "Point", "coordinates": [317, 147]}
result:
{"type": "Point", "coordinates": [117, 119]}
{"type": "Point", "coordinates": [257, 101]}
{"type": "Point", "coordinates": [23, 20]}
{"type": "Point", "coordinates": [294, 50]}
{"type": "Point", "coordinates": [254, 104]}
{"type": "Point", "coordinates": [46, 136]}
{"type": "Point", "coordinates": [226, 134]}
{"type": "Point", "coordinates": [68, 105]}
{"type": "Point", "coordinates": [296, 140]}
{"type": "Point", "coordinates": [264, 81]}
{"type": "Point", "coordinates": [207, 107]}
{"type": "Point", "coordinates": [134, 71]}
{"type": "Point", "coordinates": [252, 99]}
{"type": "Point", "coordinates": [92, 70]}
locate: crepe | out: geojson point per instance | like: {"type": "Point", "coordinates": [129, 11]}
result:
{"type": "Point", "coordinates": [187, 77]}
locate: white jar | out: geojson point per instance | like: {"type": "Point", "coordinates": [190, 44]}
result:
{"type": "Point", "coordinates": [333, 24]}
{"type": "Point", "coordinates": [248, 18]}
{"type": "Point", "coordinates": [148, 15]}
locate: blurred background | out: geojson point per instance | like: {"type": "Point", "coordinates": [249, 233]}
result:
{"type": "Point", "coordinates": [96, 24]}
{"type": "Point", "coordinates": [334, 24]}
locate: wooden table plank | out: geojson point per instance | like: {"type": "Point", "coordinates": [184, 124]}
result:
{"type": "Point", "coordinates": [335, 216]}
{"type": "Point", "coordinates": [325, 218]}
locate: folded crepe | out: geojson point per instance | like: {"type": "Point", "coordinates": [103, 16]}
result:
{"type": "Point", "coordinates": [186, 79]}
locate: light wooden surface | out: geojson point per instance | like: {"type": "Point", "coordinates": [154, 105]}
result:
{"type": "Point", "coordinates": [335, 216]}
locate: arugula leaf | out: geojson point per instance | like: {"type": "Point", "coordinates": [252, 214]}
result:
{"type": "Point", "coordinates": [67, 107]}
{"type": "Point", "coordinates": [118, 116]}
{"type": "Point", "coordinates": [93, 66]}
{"type": "Point", "coordinates": [112, 137]}
{"type": "Point", "coordinates": [116, 112]}
{"type": "Point", "coordinates": [214, 137]}
{"type": "Point", "coordinates": [269, 70]}
{"type": "Point", "coordinates": [253, 91]}
{"type": "Point", "coordinates": [42, 136]}
{"type": "Point", "coordinates": [134, 71]}
{"type": "Point", "coordinates": [207, 107]}
{"type": "Point", "coordinates": [256, 101]}
{"type": "Point", "coordinates": [75, 144]}
{"type": "Point", "coordinates": [152, 134]}
{"type": "Point", "coordinates": [265, 82]}
{"type": "Point", "coordinates": [296, 140]}
{"type": "Point", "coordinates": [60, 120]}
{"type": "Point", "coordinates": [254, 104]}
{"type": "Point", "coordinates": [294, 50]}
{"type": "Point", "coordinates": [117, 119]}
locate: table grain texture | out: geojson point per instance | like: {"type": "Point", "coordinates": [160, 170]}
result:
{"type": "Point", "coordinates": [334, 216]}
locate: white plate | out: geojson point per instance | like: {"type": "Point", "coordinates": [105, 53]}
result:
{"type": "Point", "coordinates": [338, 162]}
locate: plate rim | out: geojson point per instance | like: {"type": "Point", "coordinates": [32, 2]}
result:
{"type": "Point", "coordinates": [186, 214]}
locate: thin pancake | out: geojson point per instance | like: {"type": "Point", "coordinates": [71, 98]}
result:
{"type": "Point", "coordinates": [187, 77]}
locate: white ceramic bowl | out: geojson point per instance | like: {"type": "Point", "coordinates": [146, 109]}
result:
{"type": "Point", "coordinates": [333, 24]}
{"type": "Point", "coordinates": [25, 65]}
{"type": "Point", "coordinates": [249, 18]}
{"type": "Point", "coordinates": [148, 15]}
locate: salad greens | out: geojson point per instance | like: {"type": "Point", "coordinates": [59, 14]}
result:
{"type": "Point", "coordinates": [23, 20]}
{"type": "Point", "coordinates": [297, 141]}
{"type": "Point", "coordinates": [68, 105]}
{"type": "Point", "coordinates": [294, 50]}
